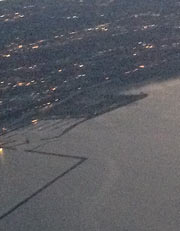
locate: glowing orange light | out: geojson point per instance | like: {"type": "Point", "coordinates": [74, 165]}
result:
{"type": "Point", "coordinates": [34, 121]}
{"type": "Point", "coordinates": [141, 66]}
{"type": "Point", "coordinates": [1, 151]}
{"type": "Point", "coordinates": [6, 56]}
{"type": "Point", "coordinates": [20, 84]}
{"type": "Point", "coordinates": [35, 47]}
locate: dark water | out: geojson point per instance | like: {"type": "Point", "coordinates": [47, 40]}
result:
{"type": "Point", "coordinates": [61, 59]}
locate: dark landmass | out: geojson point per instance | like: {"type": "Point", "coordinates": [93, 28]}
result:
{"type": "Point", "coordinates": [63, 59]}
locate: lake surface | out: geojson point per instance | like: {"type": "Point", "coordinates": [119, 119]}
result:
{"type": "Point", "coordinates": [64, 59]}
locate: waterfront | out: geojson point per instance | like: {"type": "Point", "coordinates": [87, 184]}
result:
{"type": "Point", "coordinates": [94, 86]}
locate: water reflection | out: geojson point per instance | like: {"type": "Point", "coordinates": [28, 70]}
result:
{"type": "Point", "coordinates": [53, 51]}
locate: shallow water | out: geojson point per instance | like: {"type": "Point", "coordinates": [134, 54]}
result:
{"type": "Point", "coordinates": [65, 58]}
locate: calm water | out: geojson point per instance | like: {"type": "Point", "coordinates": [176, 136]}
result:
{"type": "Point", "coordinates": [61, 59]}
